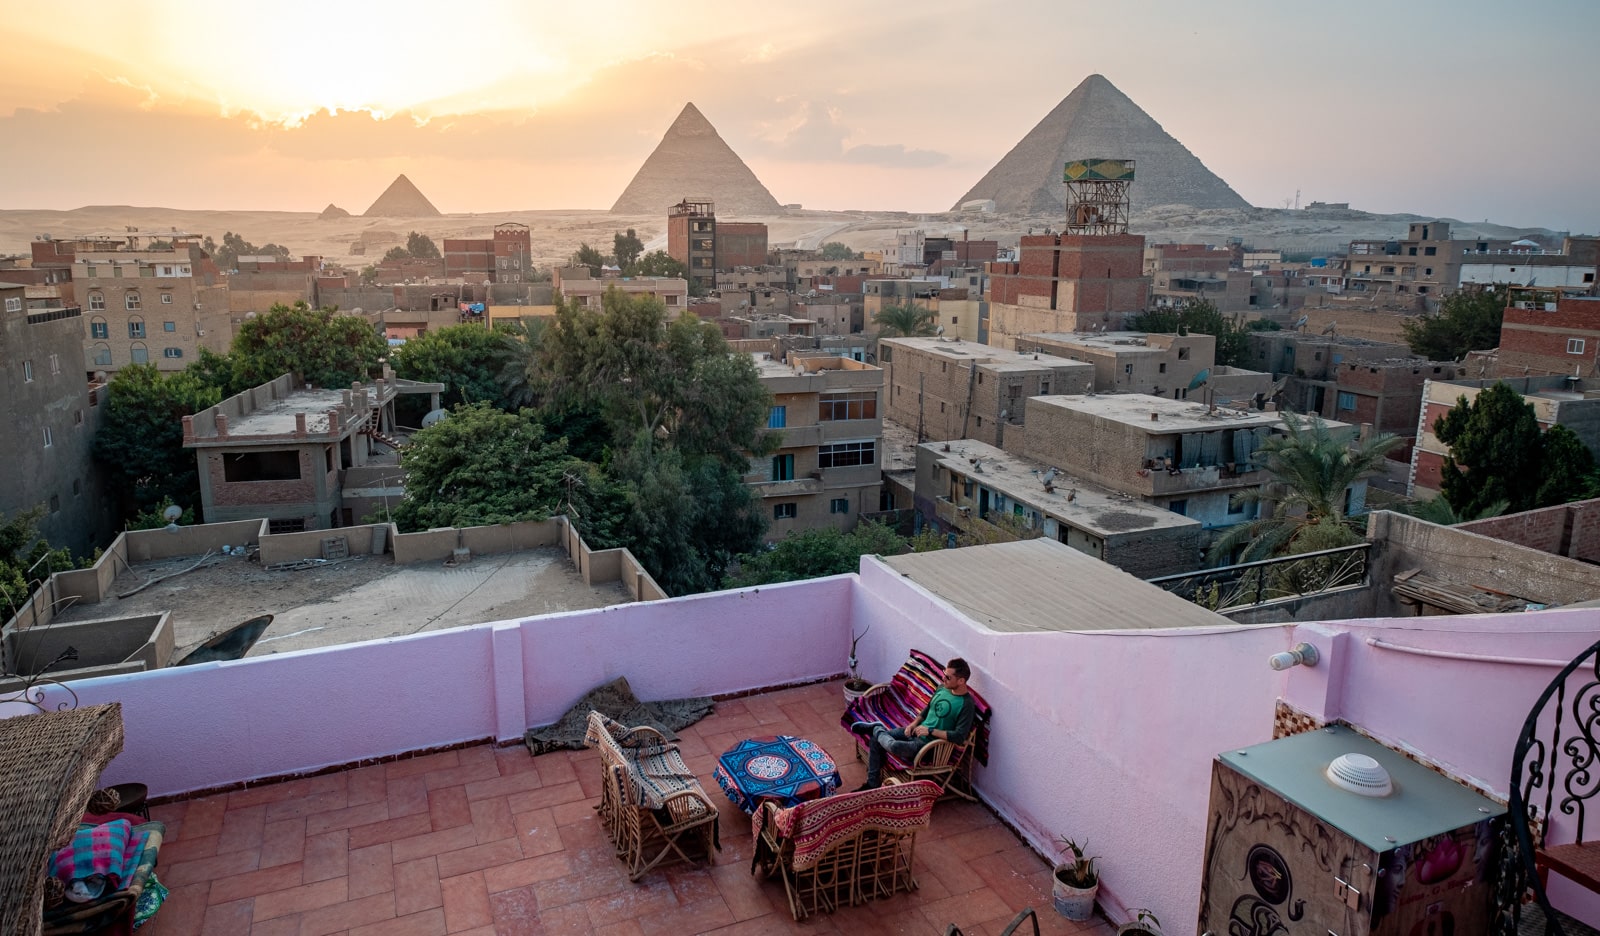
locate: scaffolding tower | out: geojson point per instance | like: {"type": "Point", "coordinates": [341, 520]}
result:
{"type": "Point", "coordinates": [1097, 195]}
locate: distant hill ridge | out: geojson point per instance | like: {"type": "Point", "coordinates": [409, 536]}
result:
{"type": "Point", "coordinates": [693, 160]}
{"type": "Point", "coordinates": [1098, 121]}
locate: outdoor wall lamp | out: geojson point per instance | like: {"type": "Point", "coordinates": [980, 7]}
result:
{"type": "Point", "coordinates": [1303, 654]}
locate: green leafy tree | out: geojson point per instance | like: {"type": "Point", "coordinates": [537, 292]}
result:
{"type": "Point", "coordinates": [815, 553]}
{"type": "Point", "coordinates": [25, 559]}
{"type": "Point", "coordinates": [369, 275]}
{"type": "Point", "coordinates": [468, 359]}
{"type": "Point", "coordinates": [586, 256]}
{"type": "Point", "coordinates": [626, 248]}
{"type": "Point", "coordinates": [216, 370]}
{"type": "Point", "coordinates": [321, 347]}
{"type": "Point", "coordinates": [1466, 321]}
{"type": "Point", "coordinates": [233, 246]}
{"type": "Point", "coordinates": [482, 466]}
{"type": "Point", "coordinates": [1311, 469]}
{"type": "Point", "coordinates": [397, 253]}
{"type": "Point", "coordinates": [836, 250]}
{"type": "Point", "coordinates": [1495, 452]}
{"type": "Point", "coordinates": [659, 263]}
{"type": "Point", "coordinates": [139, 444]}
{"type": "Point", "coordinates": [1438, 510]}
{"type": "Point", "coordinates": [421, 246]}
{"type": "Point", "coordinates": [903, 321]}
{"type": "Point", "coordinates": [1566, 468]}
{"type": "Point", "coordinates": [1199, 317]}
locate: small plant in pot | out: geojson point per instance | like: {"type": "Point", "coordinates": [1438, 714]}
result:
{"type": "Point", "coordinates": [855, 686]}
{"type": "Point", "coordinates": [1077, 881]}
{"type": "Point", "coordinates": [1144, 923]}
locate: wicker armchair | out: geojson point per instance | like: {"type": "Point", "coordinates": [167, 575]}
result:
{"type": "Point", "coordinates": [650, 802]}
{"type": "Point", "coordinates": [845, 849]}
{"type": "Point", "coordinates": [896, 704]}
{"type": "Point", "coordinates": [69, 918]}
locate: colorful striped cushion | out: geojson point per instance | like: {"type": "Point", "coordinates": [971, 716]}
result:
{"type": "Point", "coordinates": [908, 694]}
{"type": "Point", "coordinates": [817, 825]}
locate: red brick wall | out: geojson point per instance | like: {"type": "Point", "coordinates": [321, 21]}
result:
{"type": "Point", "coordinates": [226, 493]}
{"type": "Point", "coordinates": [1525, 342]}
{"type": "Point", "coordinates": [1430, 468]}
{"type": "Point", "coordinates": [740, 243]}
{"type": "Point", "coordinates": [678, 238]}
{"type": "Point", "coordinates": [1566, 530]}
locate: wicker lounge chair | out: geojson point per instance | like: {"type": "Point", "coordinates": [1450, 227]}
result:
{"type": "Point", "coordinates": [650, 802]}
{"type": "Point", "coordinates": [69, 918]}
{"type": "Point", "coordinates": [845, 849]}
{"type": "Point", "coordinates": [896, 704]}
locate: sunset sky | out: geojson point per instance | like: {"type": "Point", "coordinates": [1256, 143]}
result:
{"type": "Point", "coordinates": [1464, 109]}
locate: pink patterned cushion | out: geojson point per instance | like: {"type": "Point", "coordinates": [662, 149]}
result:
{"type": "Point", "coordinates": [817, 825]}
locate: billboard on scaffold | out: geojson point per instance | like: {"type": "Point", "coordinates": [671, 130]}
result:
{"type": "Point", "coordinates": [1098, 170]}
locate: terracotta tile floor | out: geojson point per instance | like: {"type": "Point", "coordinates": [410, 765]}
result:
{"type": "Point", "coordinates": [485, 840]}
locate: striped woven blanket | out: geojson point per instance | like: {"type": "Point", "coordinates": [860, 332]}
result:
{"type": "Point", "coordinates": [817, 825]}
{"type": "Point", "coordinates": [908, 694]}
{"type": "Point", "coordinates": [657, 769]}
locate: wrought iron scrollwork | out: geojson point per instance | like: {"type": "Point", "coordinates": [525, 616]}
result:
{"type": "Point", "coordinates": [37, 688]}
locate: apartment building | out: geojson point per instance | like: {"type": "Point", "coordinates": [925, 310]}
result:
{"type": "Point", "coordinates": [1182, 456]}
{"type": "Point", "coordinates": [944, 388]}
{"type": "Point", "coordinates": [576, 284]}
{"type": "Point", "coordinates": [1549, 331]}
{"type": "Point", "coordinates": [692, 241]}
{"type": "Point", "coordinates": [1183, 273]}
{"type": "Point", "coordinates": [46, 451]}
{"type": "Point", "coordinates": [1178, 366]}
{"type": "Point", "coordinates": [1564, 401]}
{"type": "Point", "coordinates": [963, 486]}
{"type": "Point", "coordinates": [1067, 283]}
{"type": "Point", "coordinates": [826, 471]}
{"type": "Point", "coordinates": [504, 257]}
{"type": "Point", "coordinates": [1430, 264]}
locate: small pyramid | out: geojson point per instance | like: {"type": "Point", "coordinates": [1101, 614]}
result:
{"type": "Point", "coordinates": [692, 159]}
{"type": "Point", "coordinates": [332, 213]}
{"type": "Point", "coordinates": [401, 200]}
{"type": "Point", "coordinates": [1098, 121]}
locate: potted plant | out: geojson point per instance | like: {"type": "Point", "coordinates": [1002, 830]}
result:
{"type": "Point", "coordinates": [855, 686]}
{"type": "Point", "coordinates": [1144, 923]}
{"type": "Point", "coordinates": [1077, 881]}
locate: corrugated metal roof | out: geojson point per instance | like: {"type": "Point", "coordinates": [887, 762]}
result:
{"type": "Point", "coordinates": [1041, 584]}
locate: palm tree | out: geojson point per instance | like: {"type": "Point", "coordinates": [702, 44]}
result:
{"type": "Point", "coordinates": [1438, 510]}
{"type": "Point", "coordinates": [904, 321]}
{"type": "Point", "coordinates": [1311, 470]}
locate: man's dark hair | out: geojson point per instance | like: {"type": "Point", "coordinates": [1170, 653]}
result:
{"type": "Point", "coordinates": [960, 667]}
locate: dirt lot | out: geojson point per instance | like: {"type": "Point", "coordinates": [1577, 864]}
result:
{"type": "Point", "coordinates": [360, 598]}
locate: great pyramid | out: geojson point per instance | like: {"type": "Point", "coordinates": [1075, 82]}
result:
{"type": "Point", "coordinates": [692, 160]}
{"type": "Point", "coordinates": [401, 200]}
{"type": "Point", "coordinates": [1098, 121]}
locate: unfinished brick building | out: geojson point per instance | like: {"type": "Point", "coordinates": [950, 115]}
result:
{"type": "Point", "coordinates": [504, 258]}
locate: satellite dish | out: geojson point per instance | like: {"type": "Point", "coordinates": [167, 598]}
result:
{"type": "Point", "coordinates": [1332, 326]}
{"type": "Point", "coordinates": [939, 330]}
{"type": "Point", "coordinates": [1200, 378]}
{"type": "Point", "coordinates": [1301, 322]}
{"type": "Point", "coordinates": [172, 514]}
{"type": "Point", "coordinates": [434, 417]}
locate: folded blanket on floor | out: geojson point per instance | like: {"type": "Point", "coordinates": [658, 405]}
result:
{"type": "Point", "coordinates": [615, 700]}
{"type": "Point", "coordinates": [110, 849]}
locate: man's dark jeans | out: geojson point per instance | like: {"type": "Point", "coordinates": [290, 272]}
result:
{"type": "Point", "coordinates": [893, 742]}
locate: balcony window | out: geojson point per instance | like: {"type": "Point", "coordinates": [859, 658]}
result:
{"type": "Point", "coordinates": [98, 328]}
{"type": "Point", "coordinates": [847, 454]}
{"type": "Point", "coordinates": [777, 417]}
{"type": "Point", "coordinates": [782, 468]}
{"type": "Point", "coordinates": [834, 406]}
{"type": "Point", "coordinates": [136, 327]}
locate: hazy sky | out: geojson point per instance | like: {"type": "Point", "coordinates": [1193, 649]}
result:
{"type": "Point", "coordinates": [1466, 109]}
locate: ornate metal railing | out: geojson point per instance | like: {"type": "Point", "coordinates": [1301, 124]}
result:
{"type": "Point", "coordinates": [1230, 588]}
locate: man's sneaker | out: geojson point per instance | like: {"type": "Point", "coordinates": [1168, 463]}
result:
{"type": "Point", "coordinates": [865, 728]}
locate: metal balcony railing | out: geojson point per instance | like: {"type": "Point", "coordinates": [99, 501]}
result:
{"type": "Point", "coordinates": [1248, 584]}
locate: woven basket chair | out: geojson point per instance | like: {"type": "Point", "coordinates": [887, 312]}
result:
{"type": "Point", "coordinates": [649, 828]}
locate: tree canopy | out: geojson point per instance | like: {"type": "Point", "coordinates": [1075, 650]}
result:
{"type": "Point", "coordinates": [140, 440]}
{"type": "Point", "coordinates": [482, 466]}
{"type": "Point", "coordinates": [1466, 321]}
{"type": "Point", "coordinates": [837, 250]}
{"type": "Point", "coordinates": [815, 553]}
{"type": "Point", "coordinates": [323, 348]}
{"type": "Point", "coordinates": [904, 321]}
{"type": "Point", "coordinates": [1200, 317]}
{"type": "Point", "coordinates": [591, 257]}
{"type": "Point", "coordinates": [468, 359]}
{"type": "Point", "coordinates": [626, 248]}
{"type": "Point", "coordinates": [659, 263]}
{"type": "Point", "coordinates": [226, 255]}
{"type": "Point", "coordinates": [1497, 453]}
{"type": "Point", "coordinates": [21, 552]}
{"type": "Point", "coordinates": [421, 246]}
{"type": "Point", "coordinates": [1311, 469]}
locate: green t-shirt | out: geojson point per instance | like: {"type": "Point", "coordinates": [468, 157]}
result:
{"type": "Point", "coordinates": [948, 712]}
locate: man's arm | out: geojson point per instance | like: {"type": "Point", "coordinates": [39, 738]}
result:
{"type": "Point", "coordinates": [963, 726]}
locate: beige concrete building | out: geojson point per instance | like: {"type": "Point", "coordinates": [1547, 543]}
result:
{"type": "Point", "coordinates": [148, 307]}
{"type": "Point", "coordinates": [1182, 456]}
{"type": "Point", "coordinates": [961, 486]}
{"type": "Point", "coordinates": [944, 388]}
{"type": "Point", "coordinates": [576, 283]}
{"type": "Point", "coordinates": [1160, 365]}
{"type": "Point", "coordinates": [825, 473]}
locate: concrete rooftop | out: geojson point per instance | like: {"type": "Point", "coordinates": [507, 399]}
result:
{"type": "Point", "coordinates": [1042, 585]}
{"type": "Point", "coordinates": [1092, 507]}
{"type": "Point", "coordinates": [1135, 409]}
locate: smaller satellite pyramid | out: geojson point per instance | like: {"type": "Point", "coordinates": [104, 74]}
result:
{"type": "Point", "coordinates": [332, 213]}
{"type": "Point", "coordinates": [1097, 121]}
{"type": "Point", "coordinates": [401, 200]}
{"type": "Point", "coordinates": [692, 159]}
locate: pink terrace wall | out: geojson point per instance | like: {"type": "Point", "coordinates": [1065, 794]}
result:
{"type": "Point", "coordinates": [199, 727]}
{"type": "Point", "coordinates": [1104, 736]}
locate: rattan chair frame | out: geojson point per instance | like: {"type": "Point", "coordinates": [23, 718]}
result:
{"type": "Point", "coordinates": [647, 838]}
{"type": "Point", "coordinates": [870, 864]}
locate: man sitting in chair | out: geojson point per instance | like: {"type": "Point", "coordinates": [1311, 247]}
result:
{"type": "Point", "coordinates": [948, 717]}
